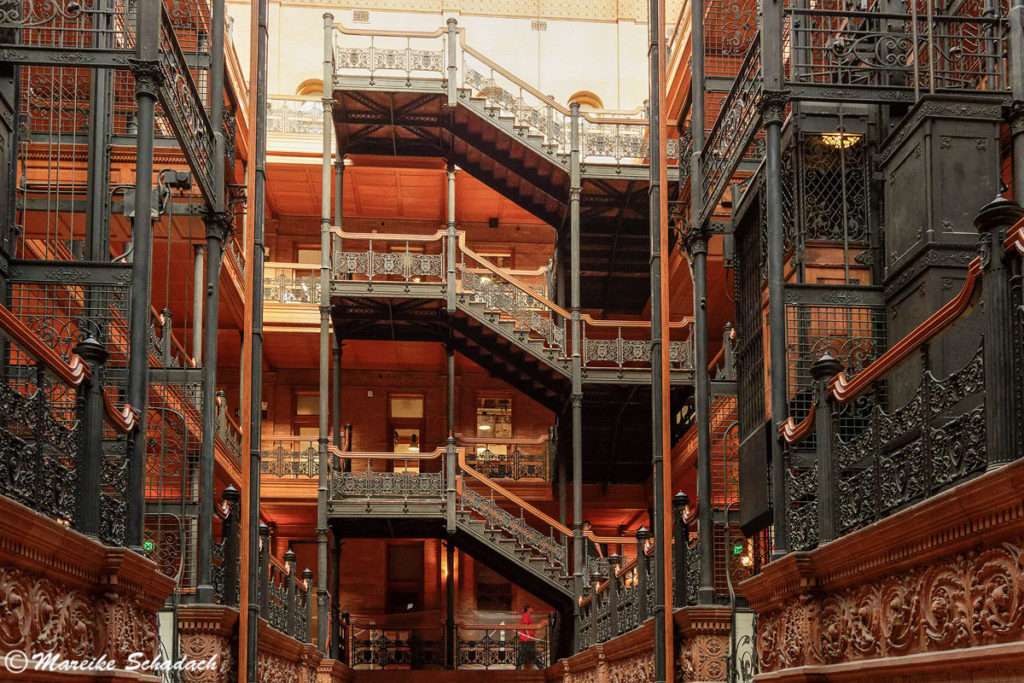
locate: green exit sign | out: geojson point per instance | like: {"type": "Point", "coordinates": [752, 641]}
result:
{"type": "Point", "coordinates": [148, 546]}
{"type": "Point", "coordinates": [737, 550]}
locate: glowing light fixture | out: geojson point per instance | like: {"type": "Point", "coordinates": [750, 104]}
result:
{"type": "Point", "coordinates": [840, 139]}
{"type": "Point", "coordinates": [484, 427]}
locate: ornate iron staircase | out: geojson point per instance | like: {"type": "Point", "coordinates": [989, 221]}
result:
{"type": "Point", "coordinates": [432, 94]}
{"type": "Point", "coordinates": [391, 494]}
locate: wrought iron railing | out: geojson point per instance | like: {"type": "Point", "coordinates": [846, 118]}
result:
{"type": "Point", "coordinates": [226, 552]}
{"type": "Point", "coordinates": [516, 459]}
{"type": "Point", "coordinates": [500, 646]}
{"type": "Point", "coordinates": [301, 114]}
{"type": "Point", "coordinates": [285, 598]}
{"type": "Point", "coordinates": [55, 412]}
{"type": "Point", "coordinates": [374, 644]}
{"type": "Point", "coordinates": [290, 457]}
{"type": "Point", "coordinates": [409, 259]}
{"type": "Point", "coordinates": [921, 50]}
{"type": "Point", "coordinates": [227, 430]}
{"type": "Point", "coordinates": [940, 436]}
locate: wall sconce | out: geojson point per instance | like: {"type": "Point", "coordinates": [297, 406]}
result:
{"type": "Point", "coordinates": [840, 139]}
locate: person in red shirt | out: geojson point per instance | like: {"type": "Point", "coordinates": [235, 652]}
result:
{"type": "Point", "coordinates": [527, 641]}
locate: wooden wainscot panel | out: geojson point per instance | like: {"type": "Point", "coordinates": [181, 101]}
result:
{"type": "Point", "coordinates": [282, 659]}
{"type": "Point", "coordinates": [703, 649]}
{"type": "Point", "coordinates": [941, 582]}
{"type": "Point", "coordinates": [205, 631]}
{"type": "Point", "coordinates": [66, 594]}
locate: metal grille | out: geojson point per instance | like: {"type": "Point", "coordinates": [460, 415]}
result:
{"type": "Point", "coordinates": [725, 430]}
{"type": "Point", "coordinates": [749, 326]}
{"type": "Point", "coordinates": [832, 188]}
{"type": "Point", "coordinates": [854, 334]}
{"type": "Point", "coordinates": [730, 27]}
{"type": "Point", "coordinates": [74, 25]}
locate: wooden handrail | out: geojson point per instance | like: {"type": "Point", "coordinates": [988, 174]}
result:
{"type": "Point", "coordinates": [483, 442]}
{"type": "Point", "coordinates": [793, 432]}
{"type": "Point", "coordinates": [1015, 239]}
{"type": "Point", "coordinates": [844, 390]}
{"type": "Point", "coordinates": [388, 237]}
{"type": "Point", "coordinates": [291, 266]}
{"type": "Point", "coordinates": [72, 372]}
{"type": "Point", "coordinates": [352, 455]}
{"type": "Point", "coordinates": [501, 627]}
{"type": "Point", "coordinates": [389, 34]}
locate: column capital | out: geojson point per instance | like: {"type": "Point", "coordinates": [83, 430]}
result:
{"type": "Point", "coordinates": [773, 106]}
{"type": "Point", "coordinates": [695, 240]}
{"type": "Point", "coordinates": [1015, 116]}
{"type": "Point", "coordinates": [148, 75]}
{"type": "Point", "coordinates": [219, 224]}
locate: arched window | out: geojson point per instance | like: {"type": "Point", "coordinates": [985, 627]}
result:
{"type": "Point", "coordinates": [587, 100]}
{"type": "Point", "coordinates": [310, 86]}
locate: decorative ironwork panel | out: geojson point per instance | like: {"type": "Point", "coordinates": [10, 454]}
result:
{"type": "Point", "coordinates": [527, 311]}
{"type": "Point", "coordinates": [517, 528]}
{"type": "Point", "coordinates": [291, 459]}
{"type": "Point", "coordinates": [890, 57]}
{"type": "Point", "coordinates": [934, 441]}
{"type": "Point", "coordinates": [183, 105]}
{"type": "Point", "coordinates": [285, 289]}
{"type": "Point", "coordinates": [370, 484]}
{"type": "Point", "coordinates": [802, 506]}
{"type": "Point", "coordinates": [91, 24]}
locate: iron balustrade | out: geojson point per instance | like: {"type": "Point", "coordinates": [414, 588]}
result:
{"type": "Point", "coordinates": [184, 108]}
{"type": "Point", "coordinates": [501, 646]}
{"type": "Point", "coordinates": [517, 459]}
{"type": "Point", "coordinates": [733, 131]}
{"type": "Point", "coordinates": [291, 283]}
{"type": "Point", "coordinates": [56, 412]}
{"type": "Point", "coordinates": [374, 644]}
{"type": "Point", "coordinates": [227, 430]}
{"type": "Point", "coordinates": [285, 599]}
{"type": "Point", "coordinates": [388, 258]}
{"type": "Point", "coordinates": [290, 457]}
{"type": "Point", "coordinates": [896, 56]}
{"type": "Point", "coordinates": [295, 114]}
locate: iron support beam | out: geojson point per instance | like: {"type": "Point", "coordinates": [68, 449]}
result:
{"type": "Point", "coordinates": [661, 611]}
{"type": "Point", "coordinates": [218, 228]}
{"type": "Point", "coordinates": [148, 78]}
{"type": "Point", "coordinates": [576, 397]}
{"type": "Point", "coordinates": [257, 568]}
{"type": "Point", "coordinates": [325, 325]}
{"type": "Point", "coordinates": [697, 246]}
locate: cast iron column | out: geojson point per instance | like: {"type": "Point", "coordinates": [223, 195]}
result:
{"type": "Point", "coordinates": [576, 397]}
{"type": "Point", "coordinates": [659, 310]}
{"type": "Point", "coordinates": [148, 79]}
{"type": "Point", "coordinates": [334, 577]}
{"type": "Point", "coordinates": [197, 305]}
{"type": "Point", "coordinates": [90, 464]}
{"type": "Point", "coordinates": [993, 223]}
{"type": "Point", "coordinates": [97, 202]}
{"type": "Point", "coordinates": [697, 246]}
{"type": "Point", "coordinates": [255, 533]}
{"type": "Point", "coordinates": [218, 227]}
{"type": "Point", "coordinates": [449, 464]}
{"type": "Point", "coordinates": [325, 331]}
{"type": "Point", "coordinates": [681, 542]}
{"type": "Point", "coordinates": [773, 109]}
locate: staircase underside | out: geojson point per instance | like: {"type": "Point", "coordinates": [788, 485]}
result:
{"type": "Point", "coordinates": [424, 523]}
{"type": "Point", "coordinates": [395, 117]}
{"type": "Point", "coordinates": [616, 412]}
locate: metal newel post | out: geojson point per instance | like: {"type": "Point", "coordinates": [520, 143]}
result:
{"type": "Point", "coordinates": [229, 534]}
{"type": "Point", "coordinates": [307, 612]}
{"type": "Point", "coordinates": [90, 466]}
{"type": "Point", "coordinates": [453, 37]}
{"type": "Point", "coordinates": [681, 541]}
{"type": "Point", "coordinates": [613, 593]}
{"type": "Point", "coordinates": [263, 583]}
{"type": "Point", "coordinates": [642, 564]}
{"type": "Point", "coordinates": [823, 370]}
{"type": "Point", "coordinates": [290, 591]}
{"type": "Point", "coordinates": [993, 223]}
